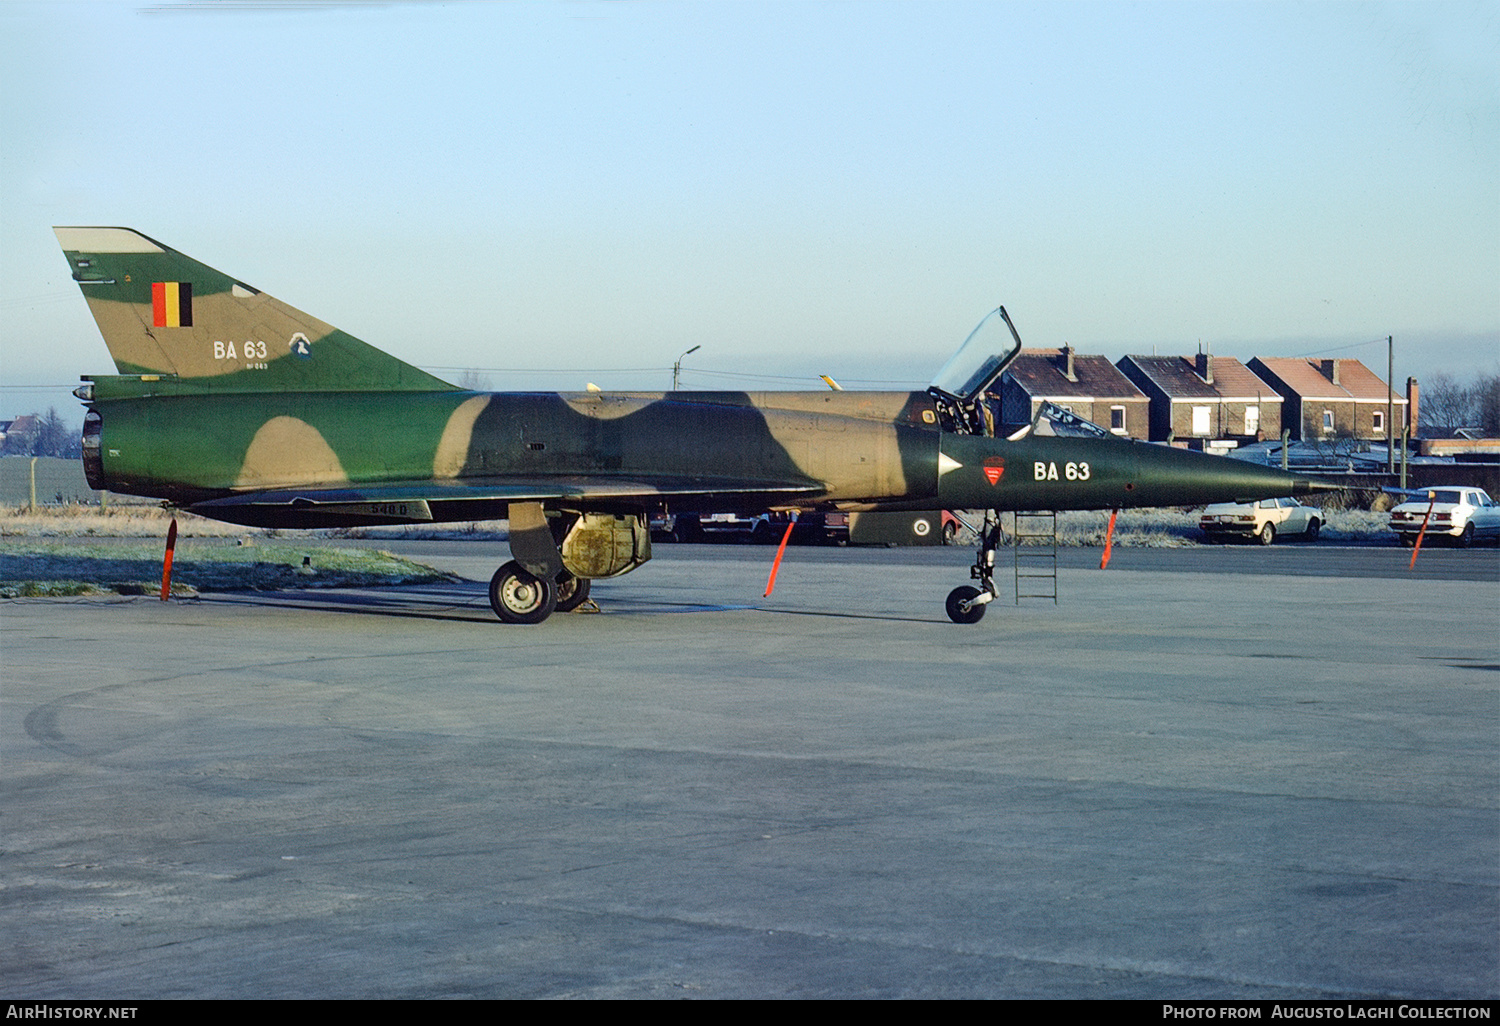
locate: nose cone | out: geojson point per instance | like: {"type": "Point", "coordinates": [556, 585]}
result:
{"type": "Point", "coordinates": [1176, 477]}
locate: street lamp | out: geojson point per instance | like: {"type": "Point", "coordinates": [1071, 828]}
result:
{"type": "Point", "coordinates": [677, 367]}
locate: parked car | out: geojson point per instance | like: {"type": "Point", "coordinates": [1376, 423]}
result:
{"type": "Point", "coordinates": [1459, 513]}
{"type": "Point", "coordinates": [1264, 520]}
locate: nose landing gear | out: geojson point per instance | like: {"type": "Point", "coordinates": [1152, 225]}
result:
{"type": "Point", "coordinates": [966, 604]}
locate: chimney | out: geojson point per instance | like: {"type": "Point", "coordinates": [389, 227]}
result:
{"type": "Point", "coordinates": [1204, 365]}
{"type": "Point", "coordinates": [1067, 363]}
{"type": "Point", "coordinates": [1330, 369]}
{"type": "Point", "coordinates": [1411, 406]}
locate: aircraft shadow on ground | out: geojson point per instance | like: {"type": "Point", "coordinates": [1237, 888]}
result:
{"type": "Point", "coordinates": [468, 603]}
{"type": "Point", "coordinates": [463, 602]}
{"type": "Point", "coordinates": [423, 603]}
{"type": "Point", "coordinates": [276, 584]}
{"type": "Point", "coordinates": [844, 615]}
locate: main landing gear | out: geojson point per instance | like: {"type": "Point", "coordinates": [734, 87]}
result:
{"type": "Point", "coordinates": [966, 604]}
{"type": "Point", "coordinates": [519, 596]}
{"type": "Point", "coordinates": [572, 592]}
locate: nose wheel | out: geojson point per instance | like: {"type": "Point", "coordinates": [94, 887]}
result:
{"type": "Point", "coordinates": [962, 607]}
{"type": "Point", "coordinates": [967, 604]}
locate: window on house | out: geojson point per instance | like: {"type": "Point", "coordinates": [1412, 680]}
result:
{"type": "Point", "coordinates": [1328, 421]}
{"type": "Point", "coordinates": [1378, 422]}
{"type": "Point", "coordinates": [1252, 419]}
{"type": "Point", "coordinates": [1117, 419]}
{"type": "Point", "coordinates": [1200, 421]}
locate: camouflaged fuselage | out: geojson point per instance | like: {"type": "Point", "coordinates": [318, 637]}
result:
{"type": "Point", "coordinates": [702, 451]}
{"type": "Point", "coordinates": [470, 454]}
{"type": "Point", "coordinates": [244, 408]}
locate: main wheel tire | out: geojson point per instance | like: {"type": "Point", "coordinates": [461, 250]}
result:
{"type": "Point", "coordinates": [1313, 527]}
{"type": "Point", "coordinates": [1466, 539]}
{"type": "Point", "coordinates": [1267, 534]}
{"type": "Point", "coordinates": [957, 613]}
{"type": "Point", "coordinates": [950, 533]}
{"type": "Point", "coordinates": [572, 592]}
{"type": "Point", "coordinates": [517, 596]}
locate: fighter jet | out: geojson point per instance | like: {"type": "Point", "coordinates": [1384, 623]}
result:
{"type": "Point", "coordinates": [233, 405]}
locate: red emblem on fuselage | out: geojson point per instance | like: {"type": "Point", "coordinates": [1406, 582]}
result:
{"type": "Point", "coordinates": [994, 467]}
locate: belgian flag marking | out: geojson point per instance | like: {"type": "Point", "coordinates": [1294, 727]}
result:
{"type": "Point", "coordinates": [172, 304]}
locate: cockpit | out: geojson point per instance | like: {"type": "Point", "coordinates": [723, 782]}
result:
{"type": "Point", "coordinates": [966, 394]}
{"type": "Point", "coordinates": [961, 388]}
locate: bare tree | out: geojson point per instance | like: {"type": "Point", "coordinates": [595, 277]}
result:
{"type": "Point", "coordinates": [473, 380]}
{"type": "Point", "coordinates": [1447, 405]}
{"type": "Point", "coordinates": [58, 437]}
{"type": "Point", "coordinates": [1488, 402]}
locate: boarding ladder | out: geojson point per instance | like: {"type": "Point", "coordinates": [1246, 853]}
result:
{"type": "Point", "coordinates": [1035, 546]}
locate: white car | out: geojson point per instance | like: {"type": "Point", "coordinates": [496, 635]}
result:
{"type": "Point", "coordinates": [1459, 513]}
{"type": "Point", "coordinates": [1263, 520]}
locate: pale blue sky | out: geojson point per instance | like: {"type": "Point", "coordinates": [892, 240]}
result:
{"type": "Point", "coordinates": [560, 192]}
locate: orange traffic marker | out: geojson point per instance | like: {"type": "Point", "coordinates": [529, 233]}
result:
{"type": "Point", "coordinates": [1431, 502]}
{"type": "Point", "coordinates": [1109, 539]}
{"type": "Point", "coordinates": [776, 564]}
{"type": "Point", "coordinates": [166, 563]}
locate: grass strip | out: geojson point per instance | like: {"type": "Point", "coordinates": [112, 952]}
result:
{"type": "Point", "coordinates": [41, 568]}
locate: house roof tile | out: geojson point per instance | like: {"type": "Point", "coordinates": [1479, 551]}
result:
{"type": "Point", "coordinates": [1041, 373]}
{"type": "Point", "coordinates": [1305, 377]}
{"type": "Point", "coordinates": [1177, 376]}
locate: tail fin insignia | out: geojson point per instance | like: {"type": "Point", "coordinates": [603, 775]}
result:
{"type": "Point", "coordinates": [163, 313]}
{"type": "Point", "coordinates": [172, 304]}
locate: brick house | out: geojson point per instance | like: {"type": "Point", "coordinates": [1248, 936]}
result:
{"type": "Point", "coordinates": [1089, 386]}
{"type": "Point", "coordinates": [19, 432]}
{"type": "Point", "coordinates": [1205, 397]}
{"type": "Point", "coordinates": [1331, 398]}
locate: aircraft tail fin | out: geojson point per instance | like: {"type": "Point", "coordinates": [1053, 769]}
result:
{"type": "Point", "coordinates": [164, 313]}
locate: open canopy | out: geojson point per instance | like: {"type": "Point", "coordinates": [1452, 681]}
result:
{"type": "Point", "coordinates": [982, 358]}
